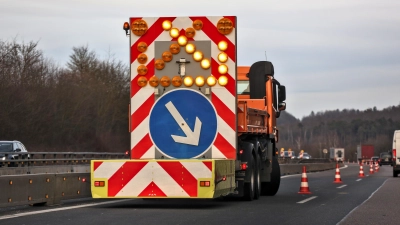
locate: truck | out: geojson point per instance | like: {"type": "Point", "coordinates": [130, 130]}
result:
{"type": "Point", "coordinates": [395, 152]}
{"type": "Point", "coordinates": [365, 152]}
{"type": "Point", "coordinates": [201, 127]}
{"type": "Point", "coordinates": [337, 154]}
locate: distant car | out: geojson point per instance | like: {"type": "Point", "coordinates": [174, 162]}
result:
{"type": "Point", "coordinates": [11, 146]}
{"type": "Point", "coordinates": [375, 159]}
{"type": "Point", "coordinates": [385, 158]}
{"type": "Point", "coordinates": [305, 156]}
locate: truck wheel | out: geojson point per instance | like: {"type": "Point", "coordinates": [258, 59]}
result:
{"type": "Point", "coordinates": [249, 187]}
{"type": "Point", "coordinates": [272, 187]}
{"type": "Point", "coordinates": [394, 174]}
{"type": "Point", "coordinates": [257, 186]}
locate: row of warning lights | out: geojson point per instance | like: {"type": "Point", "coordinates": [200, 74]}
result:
{"type": "Point", "coordinates": [177, 81]}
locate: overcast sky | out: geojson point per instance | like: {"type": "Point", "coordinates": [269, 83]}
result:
{"type": "Point", "coordinates": [329, 54]}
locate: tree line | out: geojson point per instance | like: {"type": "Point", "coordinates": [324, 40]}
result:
{"type": "Point", "coordinates": [79, 107]}
{"type": "Point", "coordinates": [342, 129]}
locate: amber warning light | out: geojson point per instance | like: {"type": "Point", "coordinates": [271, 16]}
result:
{"type": "Point", "coordinates": [126, 28]}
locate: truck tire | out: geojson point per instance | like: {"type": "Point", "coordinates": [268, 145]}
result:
{"type": "Point", "coordinates": [394, 173]}
{"type": "Point", "coordinates": [249, 187]}
{"type": "Point", "coordinates": [257, 186]}
{"type": "Point", "coordinates": [272, 187]}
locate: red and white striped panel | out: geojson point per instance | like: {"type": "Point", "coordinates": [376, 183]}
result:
{"type": "Point", "coordinates": [223, 98]}
{"type": "Point", "coordinates": [153, 178]}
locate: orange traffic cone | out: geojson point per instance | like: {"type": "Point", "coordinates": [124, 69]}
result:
{"type": "Point", "coordinates": [304, 183]}
{"type": "Point", "coordinates": [337, 175]}
{"type": "Point", "coordinates": [371, 169]}
{"type": "Point", "coordinates": [361, 174]}
{"type": "Point", "coordinates": [376, 167]}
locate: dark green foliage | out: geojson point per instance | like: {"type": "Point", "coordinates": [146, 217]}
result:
{"type": "Point", "coordinates": [346, 128]}
{"type": "Point", "coordinates": [79, 108]}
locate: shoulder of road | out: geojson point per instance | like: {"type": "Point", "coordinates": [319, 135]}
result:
{"type": "Point", "coordinates": [381, 206]}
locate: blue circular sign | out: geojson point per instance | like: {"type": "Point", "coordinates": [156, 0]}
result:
{"type": "Point", "coordinates": [183, 124]}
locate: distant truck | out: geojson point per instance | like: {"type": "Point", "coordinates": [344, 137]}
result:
{"type": "Point", "coordinates": [337, 154]}
{"type": "Point", "coordinates": [365, 152]}
{"type": "Point", "coordinates": [396, 149]}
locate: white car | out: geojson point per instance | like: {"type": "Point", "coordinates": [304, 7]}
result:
{"type": "Point", "coordinates": [11, 146]}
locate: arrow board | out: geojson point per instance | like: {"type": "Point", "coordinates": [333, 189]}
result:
{"type": "Point", "coordinates": [183, 124]}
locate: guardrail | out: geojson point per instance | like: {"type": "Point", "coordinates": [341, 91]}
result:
{"type": "Point", "coordinates": [22, 159]}
{"type": "Point", "coordinates": [49, 185]}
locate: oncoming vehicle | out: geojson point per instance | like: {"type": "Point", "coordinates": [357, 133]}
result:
{"type": "Point", "coordinates": [11, 146]}
{"type": "Point", "coordinates": [385, 158]}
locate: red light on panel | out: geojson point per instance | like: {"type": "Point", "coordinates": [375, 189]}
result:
{"type": "Point", "coordinates": [243, 166]}
{"type": "Point", "coordinates": [204, 183]}
{"type": "Point", "coordinates": [99, 183]}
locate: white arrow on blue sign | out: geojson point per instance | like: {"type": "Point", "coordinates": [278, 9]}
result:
{"type": "Point", "coordinates": [183, 124]}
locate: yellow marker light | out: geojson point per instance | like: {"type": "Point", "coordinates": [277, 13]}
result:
{"type": "Point", "coordinates": [153, 81]}
{"type": "Point", "coordinates": [205, 64]}
{"type": "Point", "coordinates": [142, 46]}
{"type": "Point", "coordinates": [190, 48]}
{"type": "Point", "coordinates": [197, 24]}
{"type": "Point", "coordinates": [182, 40]}
{"type": "Point", "coordinates": [222, 45]}
{"type": "Point", "coordinates": [222, 57]}
{"type": "Point", "coordinates": [142, 70]}
{"type": "Point", "coordinates": [174, 48]}
{"type": "Point", "coordinates": [197, 56]}
{"type": "Point", "coordinates": [159, 64]}
{"type": "Point", "coordinates": [174, 32]}
{"type": "Point", "coordinates": [190, 32]}
{"type": "Point", "coordinates": [223, 80]}
{"type": "Point", "coordinates": [211, 81]}
{"type": "Point", "coordinates": [177, 81]}
{"type": "Point", "coordinates": [222, 69]}
{"type": "Point", "coordinates": [142, 81]}
{"type": "Point", "coordinates": [200, 81]}
{"type": "Point", "coordinates": [142, 58]}
{"type": "Point", "coordinates": [165, 81]}
{"type": "Point", "coordinates": [166, 25]}
{"type": "Point", "coordinates": [167, 56]}
{"type": "Point", "coordinates": [188, 81]}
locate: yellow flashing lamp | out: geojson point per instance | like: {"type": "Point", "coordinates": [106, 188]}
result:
{"type": "Point", "coordinates": [211, 81]}
{"type": "Point", "coordinates": [190, 32]}
{"type": "Point", "coordinates": [126, 28]}
{"type": "Point", "coordinates": [223, 57]}
{"type": "Point", "coordinates": [222, 69]}
{"type": "Point", "coordinates": [222, 45]}
{"type": "Point", "coordinates": [165, 81]}
{"type": "Point", "coordinates": [166, 25]}
{"type": "Point", "coordinates": [174, 32]}
{"type": "Point", "coordinates": [174, 48]}
{"type": "Point", "coordinates": [200, 81]}
{"type": "Point", "coordinates": [142, 81]}
{"type": "Point", "coordinates": [177, 81]}
{"type": "Point", "coordinates": [190, 48]}
{"type": "Point", "coordinates": [197, 56]}
{"type": "Point", "coordinates": [188, 81]}
{"type": "Point", "coordinates": [182, 40]}
{"type": "Point", "coordinates": [153, 81]}
{"type": "Point", "coordinates": [223, 80]}
{"type": "Point", "coordinates": [205, 64]}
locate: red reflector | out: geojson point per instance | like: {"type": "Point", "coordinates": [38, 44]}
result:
{"type": "Point", "coordinates": [99, 183]}
{"type": "Point", "coordinates": [223, 178]}
{"type": "Point", "coordinates": [83, 179]}
{"type": "Point", "coordinates": [204, 183]}
{"type": "Point", "coordinates": [127, 153]}
{"type": "Point", "coordinates": [243, 166]}
{"type": "Point", "coordinates": [241, 152]}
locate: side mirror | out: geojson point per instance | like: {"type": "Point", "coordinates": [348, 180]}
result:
{"type": "Point", "coordinates": [282, 93]}
{"type": "Point", "coordinates": [18, 150]}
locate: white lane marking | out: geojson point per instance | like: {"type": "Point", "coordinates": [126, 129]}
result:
{"type": "Point", "coordinates": [344, 218]}
{"type": "Point", "coordinates": [307, 199]}
{"type": "Point", "coordinates": [59, 209]}
{"type": "Point", "coordinates": [342, 186]}
{"type": "Point", "coordinates": [358, 179]}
